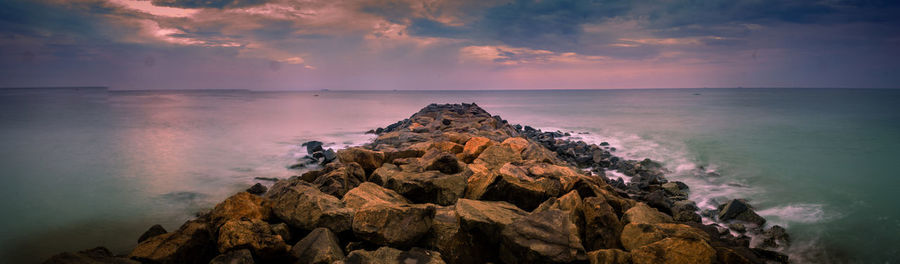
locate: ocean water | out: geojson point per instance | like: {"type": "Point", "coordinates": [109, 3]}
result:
{"type": "Point", "coordinates": [88, 167]}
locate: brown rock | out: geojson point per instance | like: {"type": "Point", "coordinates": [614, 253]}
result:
{"type": "Point", "coordinates": [393, 224]}
{"type": "Point", "coordinates": [387, 255]}
{"type": "Point", "coordinates": [448, 146]}
{"type": "Point", "coordinates": [474, 146]}
{"type": "Point", "coordinates": [305, 207]}
{"type": "Point", "coordinates": [488, 218]}
{"type": "Point", "coordinates": [455, 244]}
{"type": "Point", "coordinates": [542, 237]}
{"type": "Point", "coordinates": [369, 160]}
{"type": "Point", "coordinates": [444, 162]}
{"type": "Point", "coordinates": [338, 178]}
{"type": "Point", "coordinates": [517, 144]}
{"type": "Point", "coordinates": [154, 230]}
{"type": "Point", "coordinates": [192, 243]}
{"type": "Point", "coordinates": [98, 255]}
{"type": "Point", "coordinates": [429, 186]}
{"type": "Point", "coordinates": [241, 205]}
{"type": "Point", "coordinates": [636, 235]}
{"type": "Point", "coordinates": [368, 193]}
{"type": "Point", "coordinates": [602, 226]}
{"type": "Point", "coordinates": [242, 256]}
{"type": "Point", "coordinates": [675, 251]}
{"type": "Point", "coordinates": [643, 214]}
{"type": "Point", "coordinates": [321, 246]}
{"type": "Point", "coordinates": [255, 235]}
{"type": "Point", "coordinates": [609, 256]}
{"type": "Point", "coordinates": [496, 156]}
{"type": "Point", "coordinates": [514, 185]}
{"type": "Point", "coordinates": [571, 204]}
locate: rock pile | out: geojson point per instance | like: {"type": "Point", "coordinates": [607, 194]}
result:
{"type": "Point", "coordinates": [453, 184]}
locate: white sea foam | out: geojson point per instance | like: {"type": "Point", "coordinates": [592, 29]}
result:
{"type": "Point", "coordinates": [795, 213]}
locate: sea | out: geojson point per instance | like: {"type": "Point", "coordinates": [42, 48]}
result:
{"type": "Point", "coordinates": [84, 167]}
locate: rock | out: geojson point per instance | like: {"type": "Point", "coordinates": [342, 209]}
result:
{"type": "Point", "coordinates": [242, 256]}
{"type": "Point", "coordinates": [369, 160]}
{"type": "Point", "coordinates": [448, 146]}
{"type": "Point", "coordinates": [738, 227]}
{"type": "Point", "coordinates": [771, 255]}
{"type": "Point", "coordinates": [775, 237]}
{"type": "Point", "coordinates": [636, 235]}
{"type": "Point", "coordinates": [154, 230]}
{"type": "Point", "coordinates": [257, 189]}
{"type": "Point", "coordinates": [305, 207]}
{"type": "Point", "coordinates": [739, 210]}
{"type": "Point", "coordinates": [328, 156]}
{"type": "Point", "coordinates": [455, 244]}
{"type": "Point", "coordinates": [427, 187]}
{"type": "Point", "coordinates": [658, 199]}
{"type": "Point", "coordinates": [255, 235]}
{"type": "Point", "coordinates": [542, 237]}
{"type": "Point", "coordinates": [282, 230]}
{"type": "Point", "coordinates": [609, 256]}
{"type": "Point", "coordinates": [474, 146]}
{"type": "Point", "coordinates": [517, 144]}
{"type": "Point", "coordinates": [731, 255]}
{"type": "Point", "coordinates": [496, 156]}
{"type": "Point", "coordinates": [570, 203]}
{"type": "Point", "coordinates": [515, 186]}
{"type": "Point", "coordinates": [312, 146]}
{"type": "Point", "coordinates": [686, 211]}
{"type": "Point", "coordinates": [676, 188]}
{"type": "Point", "coordinates": [393, 224]}
{"type": "Point", "coordinates": [643, 214]}
{"type": "Point", "coordinates": [239, 206]}
{"type": "Point", "coordinates": [192, 243]}
{"type": "Point", "coordinates": [487, 218]}
{"type": "Point", "coordinates": [321, 246]}
{"type": "Point", "coordinates": [387, 255]}
{"type": "Point", "coordinates": [98, 255]}
{"type": "Point", "coordinates": [369, 193]}
{"type": "Point", "coordinates": [602, 226]}
{"type": "Point", "coordinates": [338, 178]}
{"type": "Point", "coordinates": [674, 250]}
{"type": "Point", "coordinates": [445, 162]}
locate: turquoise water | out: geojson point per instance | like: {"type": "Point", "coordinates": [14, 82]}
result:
{"type": "Point", "coordinates": [92, 167]}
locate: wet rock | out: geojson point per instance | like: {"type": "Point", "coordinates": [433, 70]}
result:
{"type": "Point", "coordinates": [658, 199]}
{"type": "Point", "coordinates": [602, 226]}
{"type": "Point", "coordinates": [771, 255]}
{"type": "Point", "coordinates": [242, 256]}
{"type": "Point", "coordinates": [239, 206]}
{"type": "Point", "coordinates": [255, 235]}
{"type": "Point", "coordinates": [257, 189]}
{"type": "Point", "coordinates": [739, 210]}
{"type": "Point", "coordinates": [676, 188]}
{"type": "Point", "coordinates": [609, 256]}
{"type": "Point", "coordinates": [775, 237]}
{"type": "Point", "coordinates": [191, 243]}
{"type": "Point", "coordinates": [732, 255]}
{"type": "Point", "coordinates": [675, 250]}
{"type": "Point", "coordinates": [369, 160]}
{"type": "Point", "coordinates": [312, 146]}
{"type": "Point", "coordinates": [393, 224]}
{"type": "Point", "coordinates": [305, 207]}
{"type": "Point", "coordinates": [643, 214]}
{"type": "Point", "coordinates": [338, 178]}
{"type": "Point", "coordinates": [98, 255]}
{"type": "Point", "coordinates": [542, 237]}
{"type": "Point", "coordinates": [154, 230]}
{"type": "Point", "coordinates": [328, 156]}
{"type": "Point", "coordinates": [487, 218]}
{"type": "Point", "coordinates": [387, 255]}
{"type": "Point", "coordinates": [321, 246]}
{"type": "Point", "coordinates": [367, 193]}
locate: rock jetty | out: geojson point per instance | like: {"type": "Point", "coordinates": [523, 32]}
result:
{"type": "Point", "coordinates": [454, 184]}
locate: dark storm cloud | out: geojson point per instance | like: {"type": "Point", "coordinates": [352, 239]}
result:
{"type": "Point", "coordinates": [209, 3]}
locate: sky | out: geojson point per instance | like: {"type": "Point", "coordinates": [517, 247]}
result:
{"type": "Point", "coordinates": [449, 44]}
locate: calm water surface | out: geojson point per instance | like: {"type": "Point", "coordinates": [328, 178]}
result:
{"type": "Point", "coordinates": [92, 167]}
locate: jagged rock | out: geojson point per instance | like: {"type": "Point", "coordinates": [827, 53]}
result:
{"type": "Point", "coordinates": [774, 237]}
{"type": "Point", "coordinates": [305, 207]}
{"type": "Point", "coordinates": [192, 243]}
{"type": "Point", "coordinates": [369, 160]}
{"type": "Point", "coordinates": [602, 225]}
{"type": "Point", "coordinates": [542, 237]}
{"type": "Point", "coordinates": [512, 184]}
{"type": "Point", "coordinates": [730, 255]}
{"type": "Point", "coordinates": [154, 230]}
{"type": "Point", "coordinates": [609, 256]}
{"type": "Point", "coordinates": [455, 244]}
{"type": "Point", "coordinates": [686, 211]}
{"type": "Point", "coordinates": [387, 255]}
{"type": "Point", "coordinates": [328, 156]}
{"type": "Point", "coordinates": [643, 214]}
{"type": "Point", "coordinates": [595, 187]}
{"type": "Point", "coordinates": [658, 199]}
{"type": "Point", "coordinates": [257, 189]}
{"type": "Point", "coordinates": [368, 192]}
{"type": "Point", "coordinates": [98, 255]}
{"type": "Point", "coordinates": [312, 146]}
{"type": "Point", "coordinates": [321, 246]}
{"type": "Point", "coordinates": [474, 146]}
{"type": "Point", "coordinates": [676, 188]}
{"type": "Point", "coordinates": [739, 210]}
{"type": "Point", "coordinates": [438, 160]}
{"type": "Point", "coordinates": [239, 206]}
{"type": "Point", "coordinates": [253, 234]}
{"type": "Point", "coordinates": [636, 235]}
{"type": "Point", "coordinates": [496, 156]}
{"type": "Point", "coordinates": [426, 187]}
{"type": "Point", "coordinates": [282, 230]}
{"type": "Point", "coordinates": [242, 256]}
{"type": "Point", "coordinates": [338, 178]}
{"type": "Point", "coordinates": [448, 146]}
{"type": "Point", "coordinates": [487, 218]}
{"type": "Point", "coordinates": [570, 203]}
{"type": "Point", "coordinates": [517, 144]}
{"type": "Point", "coordinates": [393, 224]}
{"type": "Point", "coordinates": [676, 251]}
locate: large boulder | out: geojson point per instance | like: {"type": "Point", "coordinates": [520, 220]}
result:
{"type": "Point", "coordinates": [514, 185]}
{"type": "Point", "coordinates": [427, 187]}
{"type": "Point", "coordinates": [455, 244]}
{"type": "Point", "coordinates": [338, 178]}
{"type": "Point", "coordinates": [393, 224]}
{"type": "Point", "coordinates": [675, 251]}
{"type": "Point", "coordinates": [739, 210]}
{"type": "Point", "coordinates": [643, 214]}
{"type": "Point", "coordinates": [387, 255]}
{"type": "Point", "coordinates": [602, 226]}
{"type": "Point", "coordinates": [474, 146]}
{"type": "Point", "coordinates": [305, 207]}
{"type": "Point", "coordinates": [369, 160]}
{"type": "Point", "coordinates": [442, 161]}
{"type": "Point", "coordinates": [496, 156]}
{"type": "Point", "coordinates": [658, 199]}
{"type": "Point", "coordinates": [487, 218]}
{"type": "Point", "coordinates": [369, 193]}
{"type": "Point", "coordinates": [253, 234]}
{"type": "Point", "coordinates": [570, 203]}
{"type": "Point", "coordinates": [192, 243]}
{"type": "Point", "coordinates": [542, 237]}
{"type": "Point", "coordinates": [239, 206]}
{"type": "Point", "coordinates": [98, 255]}
{"type": "Point", "coordinates": [242, 256]}
{"type": "Point", "coordinates": [517, 144]}
{"type": "Point", "coordinates": [154, 230]}
{"type": "Point", "coordinates": [319, 247]}
{"type": "Point", "coordinates": [609, 256]}
{"type": "Point", "coordinates": [636, 235]}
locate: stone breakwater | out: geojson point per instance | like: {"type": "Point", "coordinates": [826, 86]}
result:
{"type": "Point", "coordinates": [453, 184]}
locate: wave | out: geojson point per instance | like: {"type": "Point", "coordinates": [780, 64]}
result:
{"type": "Point", "coordinates": [796, 213]}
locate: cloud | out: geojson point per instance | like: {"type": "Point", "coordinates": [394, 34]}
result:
{"type": "Point", "coordinates": [208, 3]}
